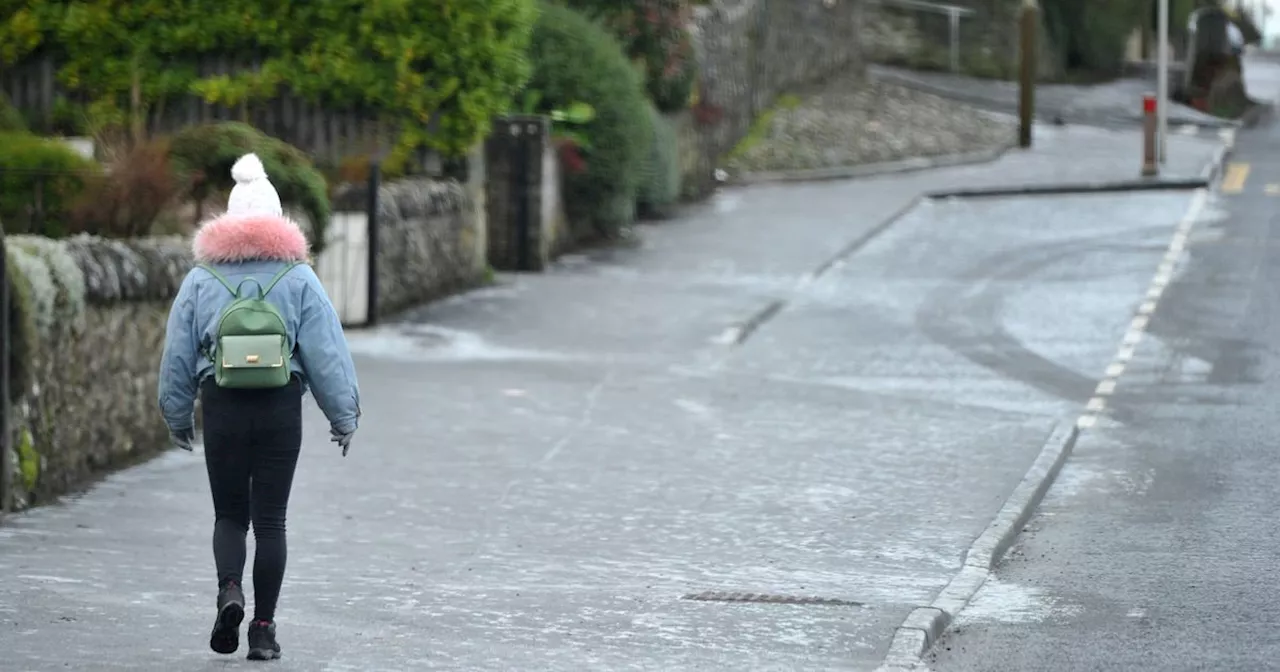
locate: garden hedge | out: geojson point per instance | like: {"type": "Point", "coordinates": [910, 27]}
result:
{"type": "Point", "coordinates": [34, 165]}
{"type": "Point", "coordinates": [457, 61]}
{"type": "Point", "coordinates": [576, 61]}
{"type": "Point", "coordinates": [202, 157]}
{"type": "Point", "coordinates": [661, 182]}
{"type": "Point", "coordinates": [655, 34]}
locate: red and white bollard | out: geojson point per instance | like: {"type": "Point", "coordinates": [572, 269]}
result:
{"type": "Point", "coordinates": [1149, 164]}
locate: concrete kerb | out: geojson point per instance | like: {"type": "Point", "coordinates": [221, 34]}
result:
{"type": "Point", "coordinates": [1206, 177]}
{"type": "Point", "coordinates": [1080, 119]}
{"type": "Point", "coordinates": [925, 625]}
{"type": "Point", "coordinates": [738, 334]}
{"type": "Point", "coordinates": [1256, 114]}
{"type": "Point", "coordinates": [1065, 188]}
{"type": "Point", "coordinates": [910, 165]}
{"type": "Point", "coordinates": [1213, 170]}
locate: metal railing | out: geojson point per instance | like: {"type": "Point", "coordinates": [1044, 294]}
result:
{"type": "Point", "coordinates": [953, 13]}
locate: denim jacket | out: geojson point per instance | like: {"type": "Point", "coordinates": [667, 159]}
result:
{"type": "Point", "coordinates": [255, 249]}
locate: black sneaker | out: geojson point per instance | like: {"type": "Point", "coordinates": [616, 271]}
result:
{"type": "Point", "coordinates": [226, 630]}
{"type": "Point", "coordinates": [262, 641]}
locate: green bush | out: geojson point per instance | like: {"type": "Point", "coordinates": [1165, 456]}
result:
{"type": "Point", "coordinates": [11, 120]}
{"type": "Point", "coordinates": [202, 157]}
{"type": "Point", "coordinates": [660, 184]}
{"type": "Point", "coordinates": [40, 183]}
{"type": "Point", "coordinates": [1090, 35]}
{"type": "Point", "coordinates": [458, 62]}
{"type": "Point", "coordinates": [654, 33]}
{"type": "Point", "coordinates": [577, 61]}
{"type": "Point", "coordinates": [128, 201]}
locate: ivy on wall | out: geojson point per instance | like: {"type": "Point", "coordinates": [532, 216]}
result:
{"type": "Point", "coordinates": [444, 68]}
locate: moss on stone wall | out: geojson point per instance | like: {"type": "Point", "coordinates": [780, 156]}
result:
{"type": "Point", "coordinates": [84, 396]}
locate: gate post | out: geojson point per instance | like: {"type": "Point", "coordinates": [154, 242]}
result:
{"type": "Point", "coordinates": [375, 180]}
{"type": "Point", "coordinates": [514, 154]}
{"type": "Point", "coordinates": [6, 436]}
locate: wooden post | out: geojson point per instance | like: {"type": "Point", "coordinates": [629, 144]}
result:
{"type": "Point", "coordinates": [1029, 25]}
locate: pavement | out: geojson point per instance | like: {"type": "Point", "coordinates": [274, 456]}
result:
{"type": "Point", "coordinates": [1156, 548]}
{"type": "Point", "coordinates": [1115, 104]}
{"type": "Point", "coordinates": [597, 468]}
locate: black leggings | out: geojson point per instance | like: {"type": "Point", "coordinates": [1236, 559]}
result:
{"type": "Point", "coordinates": [251, 444]}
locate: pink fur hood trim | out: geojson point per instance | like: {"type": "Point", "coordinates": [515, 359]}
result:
{"type": "Point", "coordinates": [233, 238]}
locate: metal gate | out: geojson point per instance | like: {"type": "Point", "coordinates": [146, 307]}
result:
{"type": "Point", "coordinates": [347, 266]}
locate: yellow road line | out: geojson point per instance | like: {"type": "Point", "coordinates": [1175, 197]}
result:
{"type": "Point", "coordinates": [1273, 189]}
{"type": "Point", "coordinates": [1234, 179]}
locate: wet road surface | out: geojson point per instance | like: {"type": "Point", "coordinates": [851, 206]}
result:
{"type": "Point", "coordinates": [1157, 549]}
{"type": "Point", "coordinates": [548, 469]}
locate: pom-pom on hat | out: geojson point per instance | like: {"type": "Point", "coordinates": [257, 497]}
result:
{"type": "Point", "coordinates": [253, 193]}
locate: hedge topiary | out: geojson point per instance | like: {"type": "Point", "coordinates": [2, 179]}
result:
{"type": "Point", "coordinates": [660, 187]}
{"type": "Point", "coordinates": [577, 61]}
{"type": "Point", "coordinates": [202, 157]}
{"type": "Point", "coordinates": [43, 171]}
{"type": "Point", "coordinates": [457, 61]}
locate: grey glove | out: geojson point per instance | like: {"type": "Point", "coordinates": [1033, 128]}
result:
{"type": "Point", "coordinates": [341, 439]}
{"type": "Point", "coordinates": [183, 438]}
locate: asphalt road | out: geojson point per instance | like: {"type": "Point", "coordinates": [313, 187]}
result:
{"type": "Point", "coordinates": [550, 468]}
{"type": "Point", "coordinates": [1157, 549]}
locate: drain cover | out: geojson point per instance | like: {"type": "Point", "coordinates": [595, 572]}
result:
{"type": "Point", "coordinates": [764, 598]}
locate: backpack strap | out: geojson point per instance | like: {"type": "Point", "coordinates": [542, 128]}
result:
{"type": "Point", "coordinates": [235, 291]}
{"type": "Point", "coordinates": [279, 276]}
{"type": "Point", "coordinates": [218, 276]}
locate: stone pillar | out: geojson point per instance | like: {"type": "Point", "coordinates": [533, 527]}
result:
{"type": "Point", "coordinates": [513, 194]}
{"type": "Point", "coordinates": [477, 179]}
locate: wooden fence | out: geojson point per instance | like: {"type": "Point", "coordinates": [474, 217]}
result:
{"type": "Point", "coordinates": [327, 134]}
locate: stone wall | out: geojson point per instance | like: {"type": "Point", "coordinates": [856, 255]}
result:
{"type": "Point", "coordinates": [430, 243]}
{"type": "Point", "coordinates": [87, 328]}
{"type": "Point", "coordinates": [911, 37]}
{"type": "Point", "coordinates": [431, 240]}
{"type": "Point", "coordinates": [88, 322]}
{"type": "Point", "coordinates": [751, 51]}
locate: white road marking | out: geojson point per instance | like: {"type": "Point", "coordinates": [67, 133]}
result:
{"type": "Point", "coordinates": [1142, 319]}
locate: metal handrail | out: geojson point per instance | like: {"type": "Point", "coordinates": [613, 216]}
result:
{"type": "Point", "coordinates": [938, 7]}
{"type": "Point", "coordinates": [953, 12]}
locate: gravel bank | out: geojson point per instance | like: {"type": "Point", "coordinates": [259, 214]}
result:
{"type": "Point", "coordinates": [852, 121]}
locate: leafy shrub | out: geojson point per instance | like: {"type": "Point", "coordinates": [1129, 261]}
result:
{"type": "Point", "coordinates": [1091, 35]}
{"type": "Point", "coordinates": [355, 169]}
{"type": "Point", "coordinates": [39, 183]}
{"type": "Point", "coordinates": [202, 157]}
{"type": "Point", "coordinates": [660, 186]}
{"type": "Point", "coordinates": [656, 34]}
{"type": "Point", "coordinates": [576, 61]}
{"type": "Point", "coordinates": [126, 202]}
{"type": "Point", "coordinates": [458, 62]}
{"type": "Point", "coordinates": [11, 120]}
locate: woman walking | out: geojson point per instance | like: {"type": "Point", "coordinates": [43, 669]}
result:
{"type": "Point", "coordinates": [251, 330]}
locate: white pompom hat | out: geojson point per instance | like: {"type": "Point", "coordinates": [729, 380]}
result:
{"type": "Point", "coordinates": [253, 193]}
